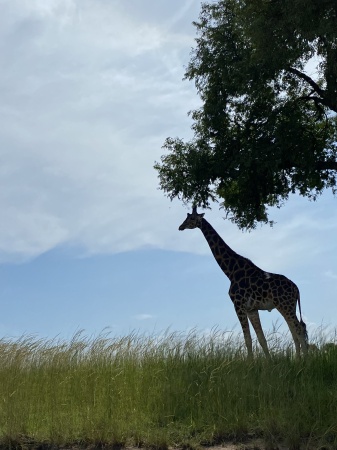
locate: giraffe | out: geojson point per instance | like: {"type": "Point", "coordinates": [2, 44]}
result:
{"type": "Point", "coordinates": [253, 289]}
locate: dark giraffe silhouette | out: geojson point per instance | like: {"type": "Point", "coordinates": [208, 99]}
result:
{"type": "Point", "coordinates": [253, 289]}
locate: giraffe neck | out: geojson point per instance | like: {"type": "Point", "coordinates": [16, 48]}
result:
{"type": "Point", "coordinates": [228, 260]}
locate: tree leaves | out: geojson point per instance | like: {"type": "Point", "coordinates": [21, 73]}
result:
{"type": "Point", "coordinates": [266, 128]}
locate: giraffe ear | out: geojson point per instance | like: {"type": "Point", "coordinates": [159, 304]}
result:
{"type": "Point", "coordinates": [202, 214]}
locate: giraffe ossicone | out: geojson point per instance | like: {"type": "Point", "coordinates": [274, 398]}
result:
{"type": "Point", "coordinates": [252, 289]}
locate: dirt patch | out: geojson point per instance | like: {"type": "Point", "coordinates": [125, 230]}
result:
{"type": "Point", "coordinates": [251, 444]}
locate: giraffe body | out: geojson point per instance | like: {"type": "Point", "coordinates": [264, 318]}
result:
{"type": "Point", "coordinates": [253, 289]}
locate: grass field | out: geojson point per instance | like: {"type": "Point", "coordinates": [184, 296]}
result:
{"type": "Point", "coordinates": [168, 390]}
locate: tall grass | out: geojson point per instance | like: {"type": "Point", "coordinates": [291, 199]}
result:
{"type": "Point", "coordinates": [174, 389]}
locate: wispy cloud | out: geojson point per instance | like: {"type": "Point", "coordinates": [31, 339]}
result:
{"type": "Point", "coordinates": [89, 92]}
{"type": "Point", "coordinates": [330, 274]}
{"type": "Point", "coordinates": [144, 317]}
{"type": "Point", "coordinates": [87, 102]}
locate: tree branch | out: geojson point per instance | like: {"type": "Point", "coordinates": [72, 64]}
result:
{"type": "Point", "coordinates": [325, 99]}
{"type": "Point", "coordinates": [319, 165]}
{"type": "Point", "coordinates": [316, 100]}
{"type": "Point", "coordinates": [309, 80]}
{"type": "Point", "coordinates": [326, 165]}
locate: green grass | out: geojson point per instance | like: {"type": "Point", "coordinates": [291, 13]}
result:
{"type": "Point", "coordinates": [170, 390]}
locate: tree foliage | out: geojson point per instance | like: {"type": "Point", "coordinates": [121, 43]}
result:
{"type": "Point", "coordinates": [266, 72]}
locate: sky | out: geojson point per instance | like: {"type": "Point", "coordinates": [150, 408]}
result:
{"type": "Point", "coordinates": [89, 91]}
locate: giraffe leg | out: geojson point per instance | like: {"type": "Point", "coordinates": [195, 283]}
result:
{"type": "Point", "coordinates": [302, 336]}
{"type": "Point", "coordinates": [297, 332]}
{"type": "Point", "coordinates": [254, 318]}
{"type": "Point", "coordinates": [292, 329]}
{"type": "Point", "coordinates": [242, 316]}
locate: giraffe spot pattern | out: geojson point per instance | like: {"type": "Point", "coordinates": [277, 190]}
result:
{"type": "Point", "coordinates": [253, 289]}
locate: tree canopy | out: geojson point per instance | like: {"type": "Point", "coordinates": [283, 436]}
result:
{"type": "Point", "coordinates": [266, 72]}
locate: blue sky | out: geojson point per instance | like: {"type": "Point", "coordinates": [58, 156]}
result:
{"type": "Point", "coordinates": [89, 91]}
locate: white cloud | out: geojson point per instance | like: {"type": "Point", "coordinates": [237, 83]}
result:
{"type": "Point", "coordinates": [89, 91]}
{"type": "Point", "coordinates": [330, 274]}
{"type": "Point", "coordinates": [88, 97]}
{"type": "Point", "coordinates": [144, 317]}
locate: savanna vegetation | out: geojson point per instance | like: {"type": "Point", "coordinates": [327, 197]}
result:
{"type": "Point", "coordinates": [169, 390]}
{"type": "Point", "coordinates": [266, 129]}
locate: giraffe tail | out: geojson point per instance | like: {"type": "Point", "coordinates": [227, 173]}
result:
{"type": "Point", "coordinates": [303, 325]}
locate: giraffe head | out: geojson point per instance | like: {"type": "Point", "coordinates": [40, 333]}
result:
{"type": "Point", "coordinates": [192, 221]}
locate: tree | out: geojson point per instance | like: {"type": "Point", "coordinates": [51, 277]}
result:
{"type": "Point", "coordinates": [266, 72]}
